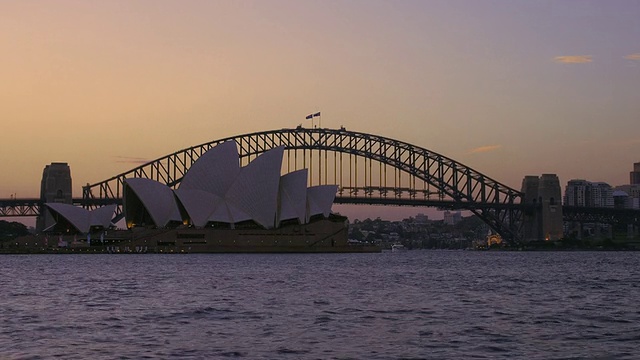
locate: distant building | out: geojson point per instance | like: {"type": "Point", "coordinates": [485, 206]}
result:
{"type": "Point", "coordinates": [585, 193]}
{"type": "Point", "coordinates": [629, 195]}
{"type": "Point", "coordinates": [452, 218]}
{"type": "Point", "coordinates": [634, 176]}
{"type": "Point", "coordinates": [620, 199]}
{"type": "Point", "coordinates": [577, 192]}
{"type": "Point", "coordinates": [421, 219]}
{"type": "Point", "coordinates": [631, 190]}
{"type": "Point", "coordinates": [602, 194]}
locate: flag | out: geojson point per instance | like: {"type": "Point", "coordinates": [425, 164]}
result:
{"type": "Point", "coordinates": [310, 116]}
{"type": "Point", "coordinates": [316, 114]}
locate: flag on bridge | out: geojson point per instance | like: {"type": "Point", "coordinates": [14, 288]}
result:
{"type": "Point", "coordinates": [316, 114]}
{"type": "Point", "coordinates": [309, 117]}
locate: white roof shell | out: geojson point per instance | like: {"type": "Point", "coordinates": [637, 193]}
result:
{"type": "Point", "coordinates": [215, 170]}
{"type": "Point", "coordinates": [102, 216]}
{"type": "Point", "coordinates": [228, 213]}
{"type": "Point", "coordinates": [157, 198]}
{"type": "Point", "coordinates": [293, 196]}
{"type": "Point", "coordinates": [199, 204]}
{"type": "Point", "coordinates": [255, 191]}
{"type": "Point", "coordinates": [83, 219]}
{"type": "Point", "coordinates": [319, 200]}
{"type": "Point", "coordinates": [77, 216]}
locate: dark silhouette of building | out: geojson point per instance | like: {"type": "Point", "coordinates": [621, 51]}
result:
{"type": "Point", "coordinates": [634, 176]}
{"type": "Point", "coordinates": [585, 193]}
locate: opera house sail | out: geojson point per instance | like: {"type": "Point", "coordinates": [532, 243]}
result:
{"type": "Point", "coordinates": [219, 206]}
{"type": "Point", "coordinates": [79, 219]}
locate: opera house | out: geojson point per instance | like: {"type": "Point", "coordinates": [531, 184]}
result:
{"type": "Point", "coordinates": [219, 206]}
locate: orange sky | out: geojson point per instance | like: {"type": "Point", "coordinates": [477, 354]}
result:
{"type": "Point", "coordinates": [509, 88]}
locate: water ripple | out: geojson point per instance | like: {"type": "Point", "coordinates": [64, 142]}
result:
{"type": "Point", "coordinates": [419, 305]}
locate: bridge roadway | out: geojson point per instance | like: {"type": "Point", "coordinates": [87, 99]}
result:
{"type": "Point", "coordinates": [31, 206]}
{"type": "Point", "coordinates": [27, 207]}
{"type": "Point", "coordinates": [16, 207]}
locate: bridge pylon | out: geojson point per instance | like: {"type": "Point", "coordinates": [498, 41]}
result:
{"type": "Point", "coordinates": [55, 187]}
{"type": "Point", "coordinates": [543, 217]}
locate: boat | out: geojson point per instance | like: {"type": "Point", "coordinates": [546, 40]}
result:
{"type": "Point", "coordinates": [398, 248]}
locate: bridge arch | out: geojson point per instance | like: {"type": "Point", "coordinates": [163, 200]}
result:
{"type": "Point", "coordinates": [390, 172]}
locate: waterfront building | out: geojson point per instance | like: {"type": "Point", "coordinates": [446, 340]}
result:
{"type": "Point", "coordinates": [216, 191]}
{"type": "Point", "coordinates": [620, 199]}
{"type": "Point", "coordinates": [583, 193]}
{"type": "Point", "coordinates": [602, 194]}
{"type": "Point", "coordinates": [631, 196]}
{"type": "Point", "coordinates": [577, 192]}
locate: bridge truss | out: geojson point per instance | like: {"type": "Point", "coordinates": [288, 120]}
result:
{"type": "Point", "coordinates": [19, 207]}
{"type": "Point", "coordinates": [368, 169]}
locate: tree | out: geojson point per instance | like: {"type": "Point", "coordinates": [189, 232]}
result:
{"type": "Point", "coordinates": [356, 234]}
{"type": "Point", "coordinates": [11, 230]}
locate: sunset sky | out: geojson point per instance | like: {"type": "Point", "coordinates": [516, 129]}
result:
{"type": "Point", "coordinates": [510, 88]}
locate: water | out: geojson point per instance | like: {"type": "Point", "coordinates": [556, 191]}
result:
{"type": "Point", "coordinates": [414, 305]}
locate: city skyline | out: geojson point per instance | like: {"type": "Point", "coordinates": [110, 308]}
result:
{"type": "Point", "coordinates": [507, 88]}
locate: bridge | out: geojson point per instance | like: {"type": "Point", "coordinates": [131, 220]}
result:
{"type": "Point", "coordinates": [369, 169]}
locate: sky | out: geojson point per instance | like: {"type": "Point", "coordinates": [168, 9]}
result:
{"type": "Point", "coordinates": [509, 88]}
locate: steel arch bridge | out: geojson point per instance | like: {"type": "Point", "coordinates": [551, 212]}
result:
{"type": "Point", "coordinates": [368, 169]}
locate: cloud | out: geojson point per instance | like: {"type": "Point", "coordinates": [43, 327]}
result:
{"type": "Point", "coordinates": [131, 160]}
{"type": "Point", "coordinates": [574, 59]}
{"type": "Point", "coordinates": [483, 149]}
{"type": "Point", "coordinates": [635, 56]}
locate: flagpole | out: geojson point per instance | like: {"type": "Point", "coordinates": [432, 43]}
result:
{"type": "Point", "coordinates": [310, 116]}
{"type": "Point", "coordinates": [317, 114]}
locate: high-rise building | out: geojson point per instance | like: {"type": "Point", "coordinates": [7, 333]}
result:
{"type": "Point", "coordinates": [634, 176]}
{"type": "Point", "coordinates": [585, 193]}
{"type": "Point", "coordinates": [602, 194]}
{"type": "Point", "coordinates": [577, 192]}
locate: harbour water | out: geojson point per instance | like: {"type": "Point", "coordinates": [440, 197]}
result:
{"type": "Point", "coordinates": [393, 305]}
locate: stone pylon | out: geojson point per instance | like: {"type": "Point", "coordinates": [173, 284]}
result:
{"type": "Point", "coordinates": [543, 219]}
{"type": "Point", "coordinates": [55, 187]}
